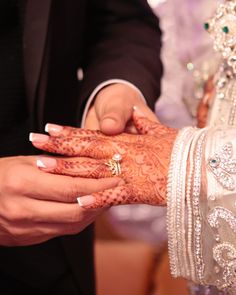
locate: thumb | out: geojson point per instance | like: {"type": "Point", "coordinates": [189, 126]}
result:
{"type": "Point", "coordinates": [114, 121]}
{"type": "Point", "coordinates": [113, 115]}
{"type": "Point", "coordinates": [113, 106]}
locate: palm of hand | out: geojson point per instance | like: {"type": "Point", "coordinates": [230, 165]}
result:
{"type": "Point", "coordinates": [145, 160]}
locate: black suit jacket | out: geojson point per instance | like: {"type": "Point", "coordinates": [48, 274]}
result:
{"type": "Point", "coordinates": [108, 39]}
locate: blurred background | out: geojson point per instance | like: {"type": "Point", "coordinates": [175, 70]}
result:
{"type": "Point", "coordinates": [131, 240]}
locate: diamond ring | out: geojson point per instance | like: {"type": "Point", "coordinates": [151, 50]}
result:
{"type": "Point", "coordinates": [114, 164]}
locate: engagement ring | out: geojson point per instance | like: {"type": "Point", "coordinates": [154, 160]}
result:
{"type": "Point", "coordinates": [114, 164]}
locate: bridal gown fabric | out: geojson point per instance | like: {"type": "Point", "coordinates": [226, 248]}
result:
{"type": "Point", "coordinates": [206, 243]}
{"type": "Point", "coordinates": [186, 68]}
{"type": "Point", "coordinates": [177, 105]}
{"type": "Point", "coordinates": [201, 209]}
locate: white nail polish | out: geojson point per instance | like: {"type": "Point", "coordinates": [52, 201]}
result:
{"type": "Point", "coordinates": [86, 201]}
{"type": "Point", "coordinates": [46, 128]}
{"type": "Point", "coordinates": [79, 201]}
{"type": "Point", "coordinates": [40, 164]}
{"type": "Point", "coordinates": [31, 136]}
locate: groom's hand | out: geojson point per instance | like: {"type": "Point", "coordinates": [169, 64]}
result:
{"type": "Point", "coordinates": [36, 206]}
{"type": "Point", "coordinates": [112, 109]}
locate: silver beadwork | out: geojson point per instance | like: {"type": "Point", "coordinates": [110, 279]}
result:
{"type": "Point", "coordinates": [223, 213]}
{"type": "Point", "coordinates": [225, 255]}
{"type": "Point", "coordinates": [222, 166]}
{"type": "Point", "coordinates": [222, 30]}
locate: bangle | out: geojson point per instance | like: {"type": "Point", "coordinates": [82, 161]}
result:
{"type": "Point", "coordinates": [175, 200]}
{"type": "Point", "coordinates": [189, 210]}
{"type": "Point", "coordinates": [197, 219]}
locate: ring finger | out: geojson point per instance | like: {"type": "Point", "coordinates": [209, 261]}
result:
{"type": "Point", "coordinates": [77, 167]}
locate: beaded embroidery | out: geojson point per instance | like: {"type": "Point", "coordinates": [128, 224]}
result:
{"type": "Point", "coordinates": [222, 166]}
{"type": "Point", "coordinates": [222, 30]}
{"type": "Point", "coordinates": [223, 213]}
{"type": "Point", "coordinates": [225, 255]}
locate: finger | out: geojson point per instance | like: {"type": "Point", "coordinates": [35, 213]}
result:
{"type": "Point", "coordinates": [24, 234]}
{"type": "Point", "coordinates": [113, 107]}
{"type": "Point", "coordinates": [113, 117]}
{"type": "Point", "coordinates": [66, 189]}
{"type": "Point", "coordinates": [80, 167]}
{"type": "Point", "coordinates": [120, 195]}
{"type": "Point", "coordinates": [130, 128]}
{"type": "Point", "coordinates": [146, 126]}
{"type": "Point", "coordinates": [40, 211]}
{"type": "Point", "coordinates": [67, 131]}
{"type": "Point", "coordinates": [37, 184]}
{"type": "Point", "coordinates": [94, 147]}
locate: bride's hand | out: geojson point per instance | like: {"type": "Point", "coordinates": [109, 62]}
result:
{"type": "Point", "coordinates": [205, 103]}
{"type": "Point", "coordinates": [144, 164]}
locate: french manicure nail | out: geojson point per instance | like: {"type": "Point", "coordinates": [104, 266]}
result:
{"type": "Point", "coordinates": [38, 138]}
{"type": "Point", "coordinates": [86, 201]}
{"type": "Point", "coordinates": [46, 162]}
{"type": "Point", "coordinates": [53, 128]}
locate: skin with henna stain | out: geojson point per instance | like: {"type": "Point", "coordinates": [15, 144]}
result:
{"type": "Point", "coordinates": [144, 164]}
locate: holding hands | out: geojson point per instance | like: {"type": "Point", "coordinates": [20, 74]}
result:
{"type": "Point", "coordinates": [36, 206]}
{"type": "Point", "coordinates": [143, 166]}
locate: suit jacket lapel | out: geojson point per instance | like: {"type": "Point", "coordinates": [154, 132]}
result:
{"type": "Point", "coordinates": [35, 35]}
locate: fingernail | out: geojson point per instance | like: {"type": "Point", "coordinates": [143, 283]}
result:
{"type": "Point", "coordinates": [37, 137]}
{"type": "Point", "coordinates": [53, 128]}
{"type": "Point", "coordinates": [138, 111]}
{"type": "Point", "coordinates": [46, 162]}
{"type": "Point", "coordinates": [86, 201]}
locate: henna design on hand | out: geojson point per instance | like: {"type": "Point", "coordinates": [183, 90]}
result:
{"type": "Point", "coordinates": [145, 160]}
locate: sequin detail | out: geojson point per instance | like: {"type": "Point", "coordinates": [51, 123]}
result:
{"type": "Point", "coordinates": [223, 213]}
{"type": "Point", "coordinates": [225, 255]}
{"type": "Point", "coordinates": [222, 166]}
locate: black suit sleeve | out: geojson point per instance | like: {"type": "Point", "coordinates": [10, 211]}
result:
{"type": "Point", "coordinates": [123, 41]}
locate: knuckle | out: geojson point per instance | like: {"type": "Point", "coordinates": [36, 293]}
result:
{"type": "Point", "coordinates": [13, 182]}
{"type": "Point", "coordinates": [17, 184]}
{"type": "Point", "coordinates": [13, 213]}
